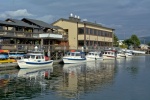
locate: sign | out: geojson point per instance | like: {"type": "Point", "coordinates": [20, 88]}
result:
{"type": "Point", "coordinates": [51, 35]}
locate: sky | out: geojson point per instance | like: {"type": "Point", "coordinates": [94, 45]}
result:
{"type": "Point", "coordinates": [127, 17]}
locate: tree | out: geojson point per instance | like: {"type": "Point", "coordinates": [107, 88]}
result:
{"type": "Point", "coordinates": [128, 42]}
{"type": "Point", "coordinates": [148, 44]}
{"type": "Point", "coordinates": [116, 44]}
{"type": "Point", "coordinates": [135, 40]}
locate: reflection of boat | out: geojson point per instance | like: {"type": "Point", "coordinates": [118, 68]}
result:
{"type": "Point", "coordinates": [6, 76]}
{"type": "Point", "coordinates": [89, 76]}
{"type": "Point", "coordinates": [67, 67]}
{"type": "Point", "coordinates": [36, 72]}
{"type": "Point", "coordinates": [34, 60]}
{"type": "Point", "coordinates": [91, 56]}
{"type": "Point", "coordinates": [74, 57]}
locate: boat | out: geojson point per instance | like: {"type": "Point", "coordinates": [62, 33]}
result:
{"type": "Point", "coordinates": [4, 57]}
{"type": "Point", "coordinates": [121, 54]}
{"type": "Point", "coordinates": [134, 51]}
{"type": "Point", "coordinates": [74, 57]}
{"type": "Point", "coordinates": [109, 54]}
{"type": "Point", "coordinates": [16, 55]}
{"type": "Point", "coordinates": [34, 60]}
{"type": "Point", "coordinates": [128, 54]}
{"type": "Point", "coordinates": [92, 56]}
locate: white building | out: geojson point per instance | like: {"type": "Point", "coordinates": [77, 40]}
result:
{"type": "Point", "coordinates": [144, 46]}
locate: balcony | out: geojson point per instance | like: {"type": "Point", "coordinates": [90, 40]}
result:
{"type": "Point", "coordinates": [21, 34]}
{"type": "Point", "coordinates": [26, 47]}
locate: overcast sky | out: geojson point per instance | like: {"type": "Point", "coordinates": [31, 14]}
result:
{"type": "Point", "coordinates": [127, 17]}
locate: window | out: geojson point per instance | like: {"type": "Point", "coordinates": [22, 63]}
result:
{"type": "Point", "coordinates": [32, 56]}
{"type": "Point", "coordinates": [68, 54]}
{"type": "Point", "coordinates": [19, 29]}
{"type": "Point", "coordinates": [87, 31]}
{"type": "Point", "coordinates": [80, 30]}
{"type": "Point", "coordinates": [77, 54]}
{"type": "Point", "coordinates": [99, 33]}
{"type": "Point", "coordinates": [91, 31]}
{"type": "Point", "coordinates": [95, 32]}
{"type": "Point", "coordinates": [1, 28]}
{"type": "Point", "coordinates": [38, 57]}
{"type": "Point", "coordinates": [81, 43]}
{"type": "Point", "coordinates": [72, 54]}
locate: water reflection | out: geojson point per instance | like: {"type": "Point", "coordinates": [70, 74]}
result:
{"type": "Point", "coordinates": [88, 77]}
{"type": "Point", "coordinates": [25, 84]}
{"type": "Point", "coordinates": [67, 81]}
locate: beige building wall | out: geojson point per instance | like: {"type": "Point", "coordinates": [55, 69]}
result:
{"type": "Point", "coordinates": [72, 32]}
{"type": "Point", "coordinates": [73, 35]}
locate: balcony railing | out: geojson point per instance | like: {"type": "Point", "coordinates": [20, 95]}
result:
{"type": "Point", "coordinates": [26, 47]}
{"type": "Point", "coordinates": [52, 48]}
{"type": "Point", "coordinates": [11, 33]}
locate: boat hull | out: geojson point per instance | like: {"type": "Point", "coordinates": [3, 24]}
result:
{"type": "Point", "coordinates": [73, 60]}
{"type": "Point", "coordinates": [93, 58]}
{"type": "Point", "coordinates": [121, 56]}
{"type": "Point", "coordinates": [105, 57]}
{"type": "Point", "coordinates": [29, 64]}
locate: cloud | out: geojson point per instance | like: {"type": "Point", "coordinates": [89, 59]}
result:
{"type": "Point", "coordinates": [17, 13]}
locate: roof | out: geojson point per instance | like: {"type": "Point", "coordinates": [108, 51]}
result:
{"type": "Point", "coordinates": [16, 23]}
{"type": "Point", "coordinates": [39, 23]}
{"type": "Point", "coordinates": [83, 22]}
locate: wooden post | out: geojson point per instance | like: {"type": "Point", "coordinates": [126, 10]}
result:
{"type": "Point", "coordinates": [56, 55]}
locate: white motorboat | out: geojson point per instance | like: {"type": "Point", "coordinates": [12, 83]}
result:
{"type": "Point", "coordinates": [92, 56]}
{"type": "Point", "coordinates": [109, 54]}
{"type": "Point", "coordinates": [121, 54]}
{"type": "Point", "coordinates": [128, 54]}
{"type": "Point", "coordinates": [74, 57]}
{"type": "Point", "coordinates": [34, 60]}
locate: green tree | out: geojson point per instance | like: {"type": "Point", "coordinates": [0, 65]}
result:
{"type": "Point", "coordinates": [128, 42]}
{"type": "Point", "coordinates": [116, 44]}
{"type": "Point", "coordinates": [135, 40]}
{"type": "Point", "coordinates": [148, 44]}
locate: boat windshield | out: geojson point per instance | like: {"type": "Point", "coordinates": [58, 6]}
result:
{"type": "Point", "coordinates": [32, 56]}
{"type": "Point", "coordinates": [39, 57]}
{"type": "Point", "coordinates": [72, 54]}
{"type": "Point", "coordinates": [78, 54]}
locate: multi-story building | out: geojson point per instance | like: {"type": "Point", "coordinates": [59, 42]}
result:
{"type": "Point", "coordinates": [25, 34]}
{"type": "Point", "coordinates": [61, 35]}
{"type": "Point", "coordinates": [85, 34]}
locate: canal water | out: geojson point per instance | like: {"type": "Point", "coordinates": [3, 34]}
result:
{"type": "Point", "coordinates": [123, 79]}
